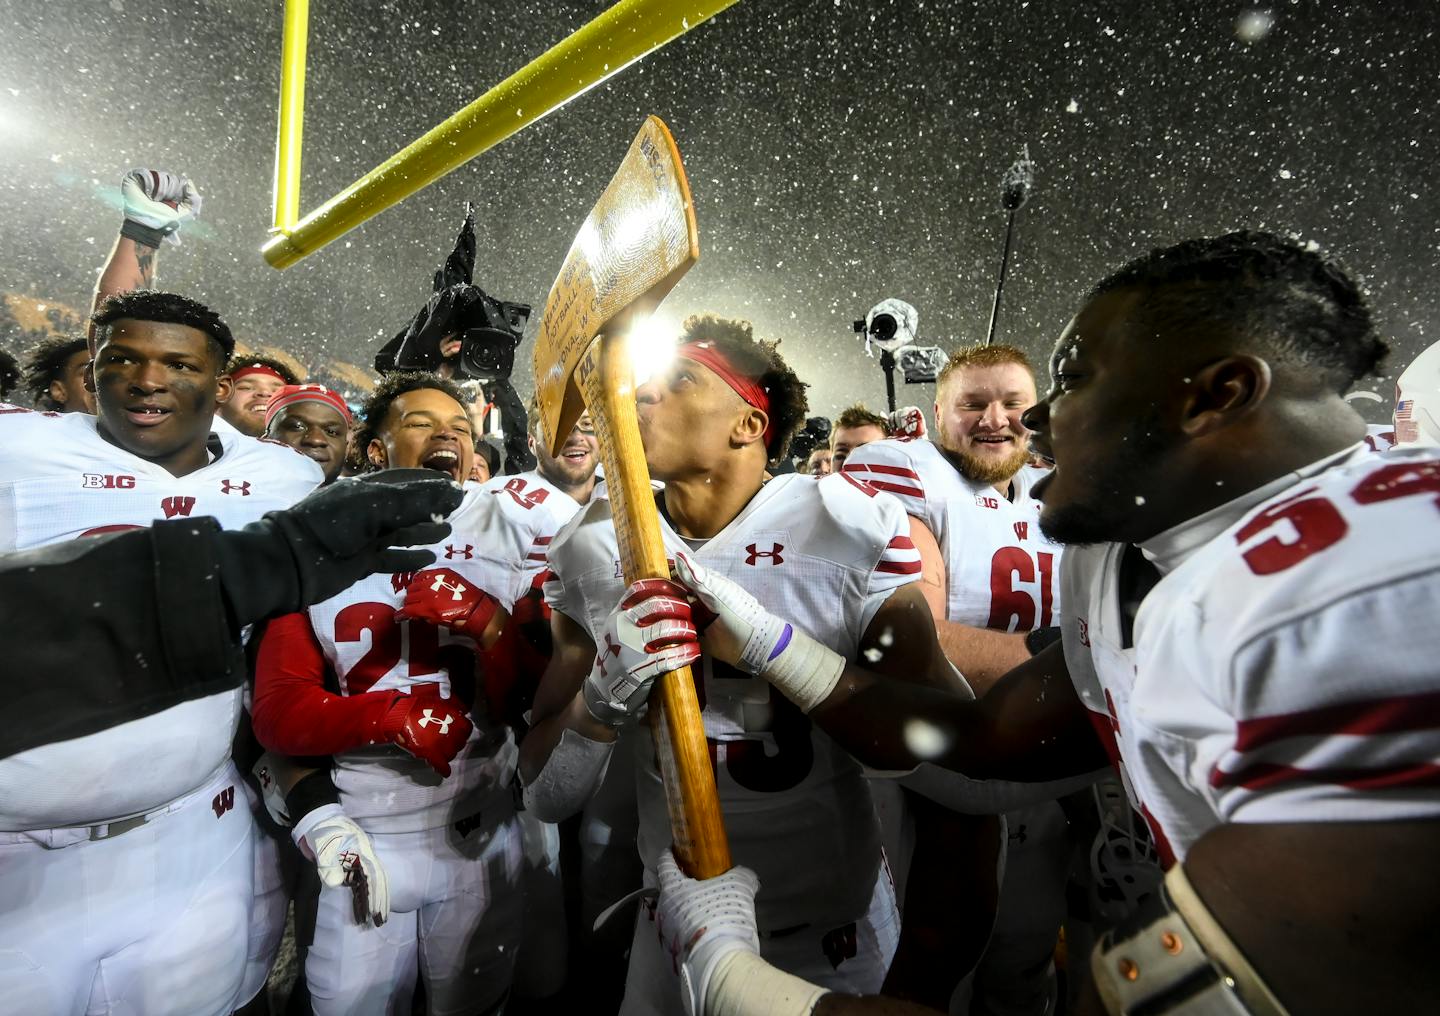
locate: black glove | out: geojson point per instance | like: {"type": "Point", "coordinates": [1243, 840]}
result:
{"type": "Point", "coordinates": [332, 539]}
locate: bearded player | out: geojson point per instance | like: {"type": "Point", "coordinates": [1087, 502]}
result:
{"type": "Point", "coordinates": [833, 554]}
{"type": "Point", "coordinates": [383, 678]}
{"type": "Point", "coordinates": [1248, 632]}
{"type": "Point", "coordinates": [136, 833]}
{"type": "Point", "coordinates": [990, 577]}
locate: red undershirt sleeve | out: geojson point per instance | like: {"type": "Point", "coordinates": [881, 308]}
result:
{"type": "Point", "coordinates": [293, 712]}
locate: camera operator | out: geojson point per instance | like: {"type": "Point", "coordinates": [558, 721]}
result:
{"type": "Point", "coordinates": [464, 334]}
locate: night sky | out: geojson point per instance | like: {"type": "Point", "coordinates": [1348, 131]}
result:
{"type": "Point", "coordinates": [839, 152]}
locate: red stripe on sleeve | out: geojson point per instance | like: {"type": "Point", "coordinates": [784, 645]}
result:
{"type": "Point", "coordinates": [1390, 715]}
{"type": "Point", "coordinates": [875, 467]}
{"type": "Point", "coordinates": [899, 567]}
{"type": "Point", "coordinates": [1264, 775]}
{"type": "Point", "coordinates": [900, 543]}
{"type": "Point", "coordinates": [293, 712]}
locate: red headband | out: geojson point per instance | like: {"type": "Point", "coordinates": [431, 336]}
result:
{"type": "Point", "coordinates": [291, 394]}
{"type": "Point", "coordinates": [256, 368]}
{"type": "Point", "coordinates": [747, 388]}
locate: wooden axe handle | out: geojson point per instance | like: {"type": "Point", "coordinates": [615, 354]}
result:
{"type": "Point", "coordinates": [606, 379]}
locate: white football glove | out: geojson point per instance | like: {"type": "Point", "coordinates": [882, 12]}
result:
{"type": "Point", "coordinates": [270, 792]}
{"type": "Point", "coordinates": [750, 638]}
{"type": "Point", "coordinates": [345, 858]}
{"type": "Point", "coordinates": [159, 203]}
{"type": "Point", "coordinates": [648, 634]}
{"type": "Point", "coordinates": [701, 922]}
{"type": "Point", "coordinates": [907, 423]}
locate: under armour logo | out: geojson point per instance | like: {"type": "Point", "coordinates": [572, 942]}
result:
{"type": "Point", "coordinates": [609, 649]}
{"type": "Point", "coordinates": [224, 801]}
{"type": "Point", "coordinates": [242, 488]}
{"type": "Point", "coordinates": [467, 552]}
{"type": "Point", "coordinates": [773, 554]}
{"type": "Point", "coordinates": [1022, 530]}
{"type": "Point", "coordinates": [456, 588]}
{"type": "Point", "coordinates": [173, 506]}
{"type": "Point", "coordinates": [428, 717]}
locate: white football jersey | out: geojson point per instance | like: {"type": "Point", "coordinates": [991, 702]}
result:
{"type": "Point", "coordinates": [1380, 437]}
{"type": "Point", "coordinates": [824, 556]}
{"type": "Point", "coordinates": [1000, 569]}
{"type": "Point", "coordinates": [59, 480]}
{"type": "Point", "coordinates": [1283, 669]}
{"type": "Point", "coordinates": [536, 505]}
{"type": "Point", "coordinates": [382, 787]}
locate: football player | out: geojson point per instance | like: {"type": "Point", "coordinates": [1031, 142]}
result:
{"type": "Point", "coordinates": [1248, 632]}
{"type": "Point", "coordinates": [254, 381]}
{"type": "Point", "coordinates": [313, 420]}
{"type": "Point", "coordinates": [137, 830]}
{"type": "Point", "coordinates": [990, 579]}
{"type": "Point", "coordinates": [383, 678]}
{"type": "Point", "coordinates": [832, 553]}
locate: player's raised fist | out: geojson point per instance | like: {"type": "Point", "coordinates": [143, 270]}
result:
{"type": "Point", "coordinates": [431, 728]}
{"type": "Point", "coordinates": [445, 597]}
{"type": "Point", "coordinates": [648, 634]}
{"type": "Point", "coordinates": [907, 423]}
{"type": "Point", "coordinates": [157, 203]}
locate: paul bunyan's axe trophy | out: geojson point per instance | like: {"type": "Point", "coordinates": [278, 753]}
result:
{"type": "Point", "coordinates": [638, 241]}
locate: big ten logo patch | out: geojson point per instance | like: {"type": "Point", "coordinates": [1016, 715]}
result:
{"type": "Point", "coordinates": [987, 502]}
{"type": "Point", "coordinates": [105, 481]}
{"type": "Point", "coordinates": [224, 801]}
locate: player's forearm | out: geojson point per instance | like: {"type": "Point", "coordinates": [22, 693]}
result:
{"type": "Point", "coordinates": [131, 266]}
{"type": "Point", "coordinates": [563, 760]}
{"type": "Point", "coordinates": [1367, 943]}
{"type": "Point", "coordinates": [308, 720]}
{"type": "Point", "coordinates": [1029, 728]}
{"type": "Point", "coordinates": [981, 654]}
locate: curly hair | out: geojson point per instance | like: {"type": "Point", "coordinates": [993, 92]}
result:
{"type": "Point", "coordinates": [377, 405]}
{"type": "Point", "coordinates": [46, 364]}
{"type": "Point", "coordinates": [169, 308]}
{"type": "Point", "coordinates": [760, 361]}
{"type": "Point", "coordinates": [270, 363]}
{"type": "Point", "coordinates": [1269, 293]}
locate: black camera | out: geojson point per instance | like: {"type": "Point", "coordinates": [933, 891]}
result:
{"type": "Point", "coordinates": [882, 327]}
{"type": "Point", "coordinates": [487, 344]}
{"type": "Point", "coordinates": [815, 434]}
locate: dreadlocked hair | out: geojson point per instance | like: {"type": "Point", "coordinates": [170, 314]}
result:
{"type": "Point", "coordinates": [760, 361]}
{"type": "Point", "coordinates": [377, 405]}
{"type": "Point", "coordinates": [1271, 294]}
{"type": "Point", "coordinates": [46, 364]}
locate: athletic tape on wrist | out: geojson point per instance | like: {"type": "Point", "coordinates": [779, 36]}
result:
{"type": "Point", "coordinates": [742, 984]}
{"type": "Point", "coordinates": [571, 773]}
{"type": "Point", "coordinates": [142, 234]}
{"type": "Point", "coordinates": [805, 671]}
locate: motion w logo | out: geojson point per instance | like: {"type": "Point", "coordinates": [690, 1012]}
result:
{"type": "Point", "coordinates": [773, 554]}
{"type": "Point", "coordinates": [173, 506]}
{"type": "Point", "coordinates": [224, 801]}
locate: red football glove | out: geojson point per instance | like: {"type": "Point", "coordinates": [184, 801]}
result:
{"type": "Point", "coordinates": [445, 597]}
{"type": "Point", "coordinates": [429, 727]}
{"type": "Point", "coordinates": [907, 424]}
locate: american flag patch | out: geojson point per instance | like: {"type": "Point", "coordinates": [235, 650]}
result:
{"type": "Point", "coordinates": [1404, 408]}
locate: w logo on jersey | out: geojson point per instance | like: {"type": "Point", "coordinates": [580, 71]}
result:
{"type": "Point", "coordinates": [173, 506]}
{"type": "Point", "coordinates": [401, 579]}
{"type": "Point", "coordinates": [773, 554]}
{"type": "Point", "coordinates": [1022, 530]}
{"type": "Point", "coordinates": [229, 487]}
{"type": "Point", "coordinates": [224, 801]}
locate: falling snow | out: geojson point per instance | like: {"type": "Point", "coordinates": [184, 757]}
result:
{"type": "Point", "coordinates": [839, 154]}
